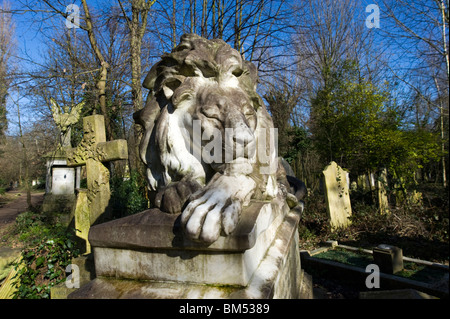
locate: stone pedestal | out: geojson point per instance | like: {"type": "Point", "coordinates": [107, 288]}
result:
{"type": "Point", "coordinates": [59, 203]}
{"type": "Point", "coordinates": [146, 256]}
{"type": "Point", "coordinates": [60, 186]}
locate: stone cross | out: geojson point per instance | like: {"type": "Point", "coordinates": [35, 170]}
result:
{"type": "Point", "coordinates": [337, 195]}
{"type": "Point", "coordinates": [93, 151]}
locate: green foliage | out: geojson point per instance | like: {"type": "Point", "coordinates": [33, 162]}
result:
{"type": "Point", "coordinates": [348, 117]}
{"type": "Point", "coordinates": [128, 195]}
{"type": "Point", "coordinates": [358, 125]}
{"type": "Point", "coordinates": [2, 190]}
{"type": "Point", "coordinates": [49, 250]}
{"type": "Point", "coordinates": [299, 143]}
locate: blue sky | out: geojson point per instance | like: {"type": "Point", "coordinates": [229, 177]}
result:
{"type": "Point", "coordinates": [31, 43]}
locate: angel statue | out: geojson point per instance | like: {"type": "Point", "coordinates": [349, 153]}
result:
{"type": "Point", "coordinates": [64, 119]}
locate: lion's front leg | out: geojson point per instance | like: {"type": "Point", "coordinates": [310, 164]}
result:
{"type": "Point", "coordinates": [217, 207]}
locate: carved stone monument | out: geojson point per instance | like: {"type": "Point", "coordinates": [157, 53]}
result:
{"type": "Point", "coordinates": [61, 180]}
{"type": "Point", "coordinates": [93, 151]}
{"type": "Point", "coordinates": [221, 226]}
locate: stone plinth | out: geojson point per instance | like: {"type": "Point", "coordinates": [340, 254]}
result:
{"type": "Point", "coordinates": [388, 258]}
{"type": "Point", "coordinates": [147, 256]}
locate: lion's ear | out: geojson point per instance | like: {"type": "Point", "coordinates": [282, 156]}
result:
{"type": "Point", "coordinates": [149, 80]}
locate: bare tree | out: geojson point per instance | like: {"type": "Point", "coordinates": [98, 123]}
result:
{"type": "Point", "coordinates": [6, 50]}
{"type": "Point", "coordinates": [103, 64]}
{"type": "Point", "coordinates": [137, 25]}
{"type": "Point", "coordinates": [419, 32]}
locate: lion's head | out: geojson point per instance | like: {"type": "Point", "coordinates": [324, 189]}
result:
{"type": "Point", "coordinates": [208, 140]}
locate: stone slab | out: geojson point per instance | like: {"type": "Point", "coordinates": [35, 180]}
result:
{"type": "Point", "coordinates": [278, 275]}
{"type": "Point", "coordinates": [60, 204]}
{"type": "Point", "coordinates": [7, 257]}
{"type": "Point", "coordinates": [388, 258]}
{"type": "Point", "coordinates": [152, 229]}
{"type": "Point", "coordinates": [63, 180]}
{"type": "Point", "coordinates": [151, 246]}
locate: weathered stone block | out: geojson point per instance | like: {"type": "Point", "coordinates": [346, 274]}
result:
{"type": "Point", "coordinates": [147, 256]}
{"type": "Point", "coordinates": [388, 258]}
{"type": "Point", "coordinates": [121, 250]}
{"type": "Point", "coordinates": [63, 180]}
{"type": "Point", "coordinates": [58, 203]}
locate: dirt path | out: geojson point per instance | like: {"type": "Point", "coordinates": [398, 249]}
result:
{"type": "Point", "coordinates": [9, 211]}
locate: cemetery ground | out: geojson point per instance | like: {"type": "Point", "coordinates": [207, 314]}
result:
{"type": "Point", "coordinates": [27, 235]}
{"type": "Point", "coordinates": [12, 203]}
{"type": "Point", "coordinates": [420, 230]}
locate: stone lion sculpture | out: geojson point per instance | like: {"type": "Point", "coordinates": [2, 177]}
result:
{"type": "Point", "coordinates": [208, 144]}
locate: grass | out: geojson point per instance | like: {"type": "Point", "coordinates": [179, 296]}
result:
{"type": "Point", "coordinates": [346, 257]}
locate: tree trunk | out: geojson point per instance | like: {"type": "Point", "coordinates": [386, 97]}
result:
{"type": "Point", "coordinates": [101, 84]}
{"type": "Point", "coordinates": [204, 28]}
{"type": "Point", "coordinates": [25, 161]}
{"type": "Point", "coordinates": [137, 25]}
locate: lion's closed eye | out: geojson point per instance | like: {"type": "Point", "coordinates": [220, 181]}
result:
{"type": "Point", "coordinates": [212, 111]}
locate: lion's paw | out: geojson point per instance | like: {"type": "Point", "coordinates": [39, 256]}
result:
{"type": "Point", "coordinates": [207, 216]}
{"type": "Point", "coordinates": [173, 198]}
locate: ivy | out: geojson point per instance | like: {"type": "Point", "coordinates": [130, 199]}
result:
{"type": "Point", "coordinates": [49, 251]}
{"type": "Point", "coordinates": [127, 195]}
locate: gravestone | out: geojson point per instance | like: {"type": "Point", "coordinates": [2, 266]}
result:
{"type": "Point", "coordinates": [63, 180]}
{"type": "Point", "coordinates": [91, 203]}
{"type": "Point", "coordinates": [58, 184]}
{"type": "Point", "coordinates": [64, 119]}
{"type": "Point", "coordinates": [388, 258]}
{"type": "Point", "coordinates": [93, 151]}
{"type": "Point", "coordinates": [366, 182]}
{"type": "Point", "coordinates": [382, 200]}
{"type": "Point", "coordinates": [337, 195]}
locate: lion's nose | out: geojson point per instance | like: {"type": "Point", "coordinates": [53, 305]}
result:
{"type": "Point", "coordinates": [242, 134]}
